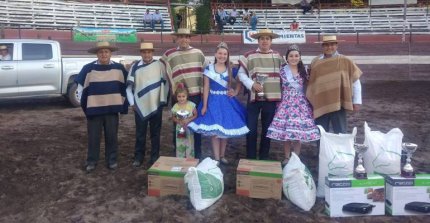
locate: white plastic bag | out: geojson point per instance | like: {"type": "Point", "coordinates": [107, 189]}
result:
{"type": "Point", "coordinates": [336, 156]}
{"type": "Point", "coordinates": [384, 153]}
{"type": "Point", "coordinates": [298, 185]}
{"type": "Point", "coordinates": [205, 184]}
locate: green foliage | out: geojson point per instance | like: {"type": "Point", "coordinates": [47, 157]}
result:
{"type": "Point", "coordinates": [203, 17]}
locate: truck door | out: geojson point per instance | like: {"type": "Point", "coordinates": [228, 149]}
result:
{"type": "Point", "coordinates": [39, 71]}
{"type": "Point", "coordinates": [8, 72]}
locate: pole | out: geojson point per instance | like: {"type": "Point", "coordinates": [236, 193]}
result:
{"type": "Point", "coordinates": [404, 21]}
{"type": "Point", "coordinates": [265, 15]}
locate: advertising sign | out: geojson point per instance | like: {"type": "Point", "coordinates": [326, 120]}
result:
{"type": "Point", "coordinates": [81, 34]}
{"type": "Point", "coordinates": [284, 37]}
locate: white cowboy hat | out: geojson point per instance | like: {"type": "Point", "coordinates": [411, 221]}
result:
{"type": "Point", "coordinates": [102, 45]}
{"type": "Point", "coordinates": [147, 46]}
{"type": "Point", "coordinates": [330, 39]}
{"type": "Point", "coordinates": [183, 31]}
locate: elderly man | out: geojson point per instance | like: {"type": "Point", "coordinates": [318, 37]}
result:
{"type": "Point", "coordinates": [185, 64]}
{"type": "Point", "coordinates": [256, 64]}
{"type": "Point", "coordinates": [4, 53]}
{"type": "Point", "coordinates": [101, 87]}
{"type": "Point", "coordinates": [330, 100]}
{"type": "Point", "coordinates": [147, 94]}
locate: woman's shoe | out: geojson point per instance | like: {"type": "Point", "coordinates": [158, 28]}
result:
{"type": "Point", "coordinates": [224, 161]}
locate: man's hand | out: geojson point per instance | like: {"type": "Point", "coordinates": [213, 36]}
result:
{"type": "Point", "coordinates": [257, 87]}
{"type": "Point", "coordinates": [356, 107]}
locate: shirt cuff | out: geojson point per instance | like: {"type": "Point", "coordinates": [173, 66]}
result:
{"type": "Point", "coordinates": [356, 93]}
{"type": "Point", "coordinates": [130, 96]}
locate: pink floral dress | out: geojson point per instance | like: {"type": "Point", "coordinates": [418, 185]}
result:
{"type": "Point", "coordinates": [293, 119]}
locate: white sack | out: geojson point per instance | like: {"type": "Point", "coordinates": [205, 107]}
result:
{"type": "Point", "coordinates": [205, 184]}
{"type": "Point", "coordinates": [384, 152]}
{"type": "Point", "coordinates": [336, 156]}
{"type": "Point", "coordinates": [298, 185]}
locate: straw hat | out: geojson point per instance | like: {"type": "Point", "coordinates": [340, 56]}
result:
{"type": "Point", "coordinates": [330, 39]}
{"type": "Point", "coordinates": [183, 31]}
{"type": "Point", "coordinates": [3, 47]}
{"type": "Point", "coordinates": [146, 46]}
{"type": "Point", "coordinates": [264, 32]}
{"type": "Point", "coordinates": [102, 45]}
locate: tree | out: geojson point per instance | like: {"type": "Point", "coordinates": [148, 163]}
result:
{"type": "Point", "coordinates": [203, 17]}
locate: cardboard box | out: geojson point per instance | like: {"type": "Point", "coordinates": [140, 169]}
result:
{"type": "Point", "coordinates": [347, 196]}
{"type": "Point", "coordinates": [259, 179]}
{"type": "Point", "coordinates": [407, 196]}
{"type": "Point", "coordinates": [166, 176]}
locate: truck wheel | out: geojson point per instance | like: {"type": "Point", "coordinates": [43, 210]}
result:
{"type": "Point", "coordinates": [72, 95]}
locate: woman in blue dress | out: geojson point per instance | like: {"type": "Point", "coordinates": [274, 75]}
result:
{"type": "Point", "coordinates": [221, 115]}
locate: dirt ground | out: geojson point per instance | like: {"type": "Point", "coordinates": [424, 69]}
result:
{"type": "Point", "coordinates": [43, 151]}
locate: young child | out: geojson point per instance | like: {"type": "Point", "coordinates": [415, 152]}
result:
{"type": "Point", "coordinates": [221, 115]}
{"type": "Point", "coordinates": [184, 141]}
{"type": "Point", "coordinates": [293, 121]}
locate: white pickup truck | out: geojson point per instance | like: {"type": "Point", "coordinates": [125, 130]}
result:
{"type": "Point", "coordinates": [37, 68]}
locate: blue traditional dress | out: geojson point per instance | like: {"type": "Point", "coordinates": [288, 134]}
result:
{"type": "Point", "coordinates": [293, 119]}
{"type": "Point", "coordinates": [225, 117]}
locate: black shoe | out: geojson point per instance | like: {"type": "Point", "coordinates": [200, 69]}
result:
{"type": "Point", "coordinates": [113, 166]}
{"type": "Point", "coordinates": [137, 163]}
{"type": "Point", "coordinates": [90, 167]}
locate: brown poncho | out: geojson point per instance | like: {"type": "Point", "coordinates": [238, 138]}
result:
{"type": "Point", "coordinates": [330, 84]}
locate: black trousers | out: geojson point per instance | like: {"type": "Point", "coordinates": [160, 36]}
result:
{"type": "Point", "coordinates": [267, 110]}
{"type": "Point", "coordinates": [337, 120]}
{"type": "Point", "coordinates": [154, 130]}
{"type": "Point", "coordinates": [95, 124]}
{"type": "Point", "coordinates": [197, 137]}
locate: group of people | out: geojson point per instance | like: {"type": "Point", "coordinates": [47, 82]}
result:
{"type": "Point", "coordinates": [152, 19]}
{"type": "Point", "coordinates": [222, 17]}
{"type": "Point", "coordinates": [292, 100]}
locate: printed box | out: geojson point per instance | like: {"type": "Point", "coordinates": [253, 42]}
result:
{"type": "Point", "coordinates": [259, 179]}
{"type": "Point", "coordinates": [166, 176]}
{"type": "Point", "coordinates": [407, 196]}
{"type": "Point", "coordinates": [347, 196]}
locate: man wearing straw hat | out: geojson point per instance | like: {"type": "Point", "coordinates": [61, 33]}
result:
{"type": "Point", "coordinates": [101, 87]}
{"type": "Point", "coordinates": [4, 53]}
{"type": "Point", "coordinates": [331, 99]}
{"type": "Point", "coordinates": [262, 62]}
{"type": "Point", "coordinates": [147, 94]}
{"type": "Point", "coordinates": [185, 64]}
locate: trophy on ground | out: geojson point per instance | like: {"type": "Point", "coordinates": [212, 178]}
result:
{"type": "Point", "coordinates": [408, 170]}
{"type": "Point", "coordinates": [261, 78]}
{"type": "Point", "coordinates": [181, 115]}
{"type": "Point", "coordinates": [360, 172]}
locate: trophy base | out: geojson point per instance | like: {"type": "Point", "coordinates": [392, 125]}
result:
{"type": "Point", "coordinates": [360, 176]}
{"type": "Point", "coordinates": [407, 174]}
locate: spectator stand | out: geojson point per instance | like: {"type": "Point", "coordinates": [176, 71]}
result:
{"type": "Point", "coordinates": [61, 15]}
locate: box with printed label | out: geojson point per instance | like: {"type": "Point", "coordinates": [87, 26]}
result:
{"type": "Point", "coordinates": [407, 196]}
{"type": "Point", "coordinates": [259, 179]}
{"type": "Point", "coordinates": [348, 196]}
{"type": "Point", "coordinates": [166, 176]}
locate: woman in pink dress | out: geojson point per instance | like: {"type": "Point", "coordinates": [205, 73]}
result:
{"type": "Point", "coordinates": [293, 122]}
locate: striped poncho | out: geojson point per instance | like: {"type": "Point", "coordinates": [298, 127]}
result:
{"type": "Point", "coordinates": [149, 87]}
{"type": "Point", "coordinates": [255, 62]}
{"type": "Point", "coordinates": [104, 88]}
{"type": "Point", "coordinates": [185, 66]}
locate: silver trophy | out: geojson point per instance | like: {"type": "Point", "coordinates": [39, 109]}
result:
{"type": "Point", "coordinates": [261, 78]}
{"type": "Point", "coordinates": [360, 172]}
{"type": "Point", "coordinates": [408, 170]}
{"type": "Point", "coordinates": [182, 114]}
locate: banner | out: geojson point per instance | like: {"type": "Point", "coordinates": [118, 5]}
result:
{"type": "Point", "coordinates": [391, 2]}
{"type": "Point", "coordinates": [284, 37]}
{"type": "Point", "coordinates": [81, 34]}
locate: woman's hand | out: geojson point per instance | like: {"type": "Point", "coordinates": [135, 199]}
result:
{"type": "Point", "coordinates": [231, 93]}
{"type": "Point", "coordinates": [204, 110]}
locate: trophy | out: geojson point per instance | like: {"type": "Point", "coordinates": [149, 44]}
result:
{"type": "Point", "coordinates": [182, 114]}
{"type": "Point", "coordinates": [261, 78]}
{"type": "Point", "coordinates": [360, 172]}
{"type": "Point", "coordinates": [408, 170]}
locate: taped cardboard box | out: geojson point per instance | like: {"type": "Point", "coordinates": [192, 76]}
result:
{"type": "Point", "coordinates": [259, 179]}
{"type": "Point", "coordinates": [166, 176]}
{"type": "Point", "coordinates": [347, 196]}
{"type": "Point", "coordinates": [407, 196]}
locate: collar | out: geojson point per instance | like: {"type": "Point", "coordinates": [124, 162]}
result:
{"type": "Point", "coordinates": [141, 62]}
{"type": "Point", "coordinates": [259, 51]}
{"type": "Point", "coordinates": [335, 54]}
{"type": "Point", "coordinates": [189, 47]}
{"type": "Point", "coordinates": [110, 62]}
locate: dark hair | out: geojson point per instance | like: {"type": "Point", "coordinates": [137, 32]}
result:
{"type": "Point", "coordinates": [300, 66]}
